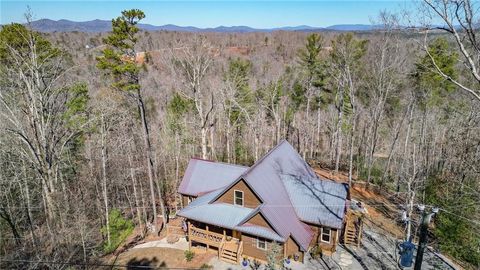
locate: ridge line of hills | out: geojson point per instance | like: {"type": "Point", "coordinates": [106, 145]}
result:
{"type": "Point", "coordinates": [48, 25]}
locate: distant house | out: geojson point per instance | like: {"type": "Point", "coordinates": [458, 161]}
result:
{"type": "Point", "coordinates": [239, 211]}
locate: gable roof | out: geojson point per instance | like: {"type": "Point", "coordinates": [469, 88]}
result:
{"type": "Point", "coordinates": [232, 185]}
{"type": "Point", "coordinates": [270, 179]}
{"type": "Point", "coordinates": [265, 178]}
{"type": "Point", "coordinates": [203, 176]}
{"type": "Point", "coordinates": [317, 201]}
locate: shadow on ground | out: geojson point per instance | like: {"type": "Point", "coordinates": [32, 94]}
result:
{"type": "Point", "coordinates": [144, 263]}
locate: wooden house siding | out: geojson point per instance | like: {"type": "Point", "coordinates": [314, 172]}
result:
{"type": "Point", "coordinates": [250, 247]}
{"type": "Point", "coordinates": [250, 200]}
{"type": "Point", "coordinates": [259, 220]}
{"type": "Point", "coordinates": [292, 248]}
{"type": "Point", "coordinates": [185, 199]}
{"type": "Point", "coordinates": [316, 240]}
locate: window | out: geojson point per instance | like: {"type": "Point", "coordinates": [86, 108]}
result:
{"type": "Point", "coordinates": [261, 243]}
{"type": "Point", "coordinates": [325, 235]}
{"type": "Point", "coordinates": [238, 197]}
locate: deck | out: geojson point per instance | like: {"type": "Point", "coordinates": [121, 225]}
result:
{"type": "Point", "coordinates": [229, 248]}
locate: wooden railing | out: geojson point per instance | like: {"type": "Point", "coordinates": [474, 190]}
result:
{"type": "Point", "coordinates": [239, 251]}
{"type": "Point", "coordinates": [206, 237]}
{"type": "Point", "coordinates": [230, 250]}
{"type": "Point", "coordinates": [220, 248]}
{"type": "Point", "coordinates": [353, 228]}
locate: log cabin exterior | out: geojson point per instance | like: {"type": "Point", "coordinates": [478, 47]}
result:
{"type": "Point", "coordinates": [241, 212]}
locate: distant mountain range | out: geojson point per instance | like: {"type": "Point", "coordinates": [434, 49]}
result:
{"type": "Point", "coordinates": [47, 25]}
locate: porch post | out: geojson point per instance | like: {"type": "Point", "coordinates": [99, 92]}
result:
{"type": "Point", "coordinates": [189, 236]}
{"type": "Point", "coordinates": [208, 246]}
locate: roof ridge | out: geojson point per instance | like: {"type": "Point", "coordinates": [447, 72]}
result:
{"type": "Point", "coordinates": [263, 158]}
{"type": "Point", "coordinates": [242, 176]}
{"type": "Point", "coordinates": [219, 162]}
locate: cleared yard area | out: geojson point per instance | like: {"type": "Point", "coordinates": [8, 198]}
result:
{"type": "Point", "coordinates": [155, 257]}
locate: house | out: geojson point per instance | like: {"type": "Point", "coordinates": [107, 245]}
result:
{"type": "Point", "coordinates": [239, 212]}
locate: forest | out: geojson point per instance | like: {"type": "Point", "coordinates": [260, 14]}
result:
{"type": "Point", "coordinates": [96, 129]}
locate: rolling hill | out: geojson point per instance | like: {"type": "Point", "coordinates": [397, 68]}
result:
{"type": "Point", "coordinates": [47, 25]}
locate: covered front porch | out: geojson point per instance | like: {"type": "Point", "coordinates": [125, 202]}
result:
{"type": "Point", "coordinates": [213, 239]}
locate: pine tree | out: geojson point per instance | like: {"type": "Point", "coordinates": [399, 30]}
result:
{"type": "Point", "coordinates": [118, 60]}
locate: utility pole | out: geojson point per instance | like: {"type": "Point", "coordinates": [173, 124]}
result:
{"type": "Point", "coordinates": [422, 243]}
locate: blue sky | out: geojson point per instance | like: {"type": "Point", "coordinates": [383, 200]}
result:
{"type": "Point", "coordinates": [260, 14]}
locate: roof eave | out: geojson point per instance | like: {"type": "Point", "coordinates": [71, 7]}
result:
{"type": "Point", "coordinates": [236, 227]}
{"type": "Point", "coordinates": [320, 224]}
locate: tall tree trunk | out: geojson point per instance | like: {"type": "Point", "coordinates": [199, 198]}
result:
{"type": "Point", "coordinates": [212, 143]}
{"type": "Point", "coordinates": [352, 142]}
{"type": "Point", "coordinates": [392, 147]}
{"type": "Point", "coordinates": [318, 137]}
{"type": "Point", "coordinates": [28, 206]}
{"type": "Point", "coordinates": [150, 166]}
{"type": "Point", "coordinates": [402, 172]}
{"type": "Point", "coordinates": [338, 133]}
{"type": "Point", "coordinates": [373, 146]}
{"type": "Point", "coordinates": [104, 176]}
{"type": "Point", "coordinates": [204, 142]}
{"type": "Point", "coordinates": [135, 193]}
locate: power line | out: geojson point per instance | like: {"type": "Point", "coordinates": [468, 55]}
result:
{"type": "Point", "coordinates": [476, 222]}
{"type": "Point", "coordinates": [401, 206]}
{"type": "Point", "coordinates": [129, 266]}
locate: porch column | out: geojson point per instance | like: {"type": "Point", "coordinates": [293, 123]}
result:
{"type": "Point", "coordinates": [208, 246]}
{"type": "Point", "coordinates": [189, 236]}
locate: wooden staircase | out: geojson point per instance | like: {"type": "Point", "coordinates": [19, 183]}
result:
{"type": "Point", "coordinates": [230, 251]}
{"type": "Point", "coordinates": [353, 228]}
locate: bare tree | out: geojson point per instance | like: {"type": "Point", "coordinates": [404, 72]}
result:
{"type": "Point", "coordinates": [460, 20]}
{"type": "Point", "coordinates": [194, 62]}
{"type": "Point", "coordinates": [44, 114]}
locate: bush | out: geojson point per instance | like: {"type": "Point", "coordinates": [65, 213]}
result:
{"type": "Point", "coordinates": [120, 229]}
{"type": "Point", "coordinates": [189, 255]}
{"type": "Point", "coordinates": [206, 266]}
{"type": "Point", "coordinates": [274, 256]}
{"type": "Point", "coordinates": [316, 252]}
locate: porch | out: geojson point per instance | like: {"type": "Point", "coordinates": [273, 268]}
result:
{"type": "Point", "coordinates": [213, 239]}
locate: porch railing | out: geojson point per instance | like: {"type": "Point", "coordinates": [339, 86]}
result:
{"type": "Point", "coordinates": [239, 251]}
{"type": "Point", "coordinates": [206, 237]}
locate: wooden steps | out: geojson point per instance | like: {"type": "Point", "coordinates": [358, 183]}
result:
{"type": "Point", "coordinates": [229, 256]}
{"type": "Point", "coordinates": [353, 229]}
{"type": "Point", "coordinates": [231, 251]}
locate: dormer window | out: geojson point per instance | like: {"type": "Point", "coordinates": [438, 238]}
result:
{"type": "Point", "coordinates": [238, 197]}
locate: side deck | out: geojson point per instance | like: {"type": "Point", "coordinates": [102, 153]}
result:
{"type": "Point", "coordinates": [228, 247]}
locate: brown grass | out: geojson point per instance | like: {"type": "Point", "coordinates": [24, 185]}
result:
{"type": "Point", "coordinates": [160, 257]}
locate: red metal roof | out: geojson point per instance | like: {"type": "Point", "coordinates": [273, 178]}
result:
{"type": "Point", "coordinates": [203, 176]}
{"type": "Point", "coordinates": [265, 178]}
